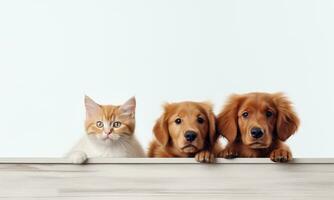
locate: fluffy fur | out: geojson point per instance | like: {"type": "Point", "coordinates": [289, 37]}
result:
{"type": "Point", "coordinates": [177, 120]}
{"type": "Point", "coordinates": [109, 132]}
{"type": "Point", "coordinates": [272, 114]}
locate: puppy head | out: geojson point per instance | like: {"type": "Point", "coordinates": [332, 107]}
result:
{"type": "Point", "coordinates": [187, 126]}
{"type": "Point", "coordinates": [257, 119]}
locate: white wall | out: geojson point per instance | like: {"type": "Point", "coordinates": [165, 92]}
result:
{"type": "Point", "coordinates": [54, 52]}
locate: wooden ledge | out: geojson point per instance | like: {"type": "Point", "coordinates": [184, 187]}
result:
{"type": "Point", "coordinates": [39, 160]}
{"type": "Point", "coordinates": [166, 178]}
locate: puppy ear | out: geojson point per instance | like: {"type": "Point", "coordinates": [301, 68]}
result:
{"type": "Point", "coordinates": [287, 120]}
{"type": "Point", "coordinates": [227, 120]}
{"type": "Point", "coordinates": [211, 122]}
{"type": "Point", "coordinates": [160, 129]}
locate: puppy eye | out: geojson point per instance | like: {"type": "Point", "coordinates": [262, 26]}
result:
{"type": "Point", "coordinates": [200, 120]}
{"type": "Point", "coordinates": [178, 121]}
{"type": "Point", "coordinates": [245, 114]}
{"type": "Point", "coordinates": [269, 113]}
{"type": "Point", "coordinates": [99, 124]}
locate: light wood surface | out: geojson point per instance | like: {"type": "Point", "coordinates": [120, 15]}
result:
{"type": "Point", "coordinates": [50, 178]}
{"type": "Point", "coordinates": [41, 160]}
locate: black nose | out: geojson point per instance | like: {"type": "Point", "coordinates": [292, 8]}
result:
{"type": "Point", "coordinates": [190, 136]}
{"type": "Point", "coordinates": [256, 132]}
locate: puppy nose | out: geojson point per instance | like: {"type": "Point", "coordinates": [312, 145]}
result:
{"type": "Point", "coordinates": [190, 136]}
{"type": "Point", "coordinates": [256, 132]}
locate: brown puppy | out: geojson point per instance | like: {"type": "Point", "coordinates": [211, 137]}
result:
{"type": "Point", "coordinates": [256, 125]}
{"type": "Point", "coordinates": [186, 129]}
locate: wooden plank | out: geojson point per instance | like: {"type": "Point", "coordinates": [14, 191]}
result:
{"type": "Point", "coordinates": [166, 179]}
{"type": "Point", "coordinates": [37, 160]}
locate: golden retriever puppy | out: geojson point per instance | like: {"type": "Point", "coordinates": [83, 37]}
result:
{"type": "Point", "coordinates": [185, 129]}
{"type": "Point", "coordinates": [256, 125]}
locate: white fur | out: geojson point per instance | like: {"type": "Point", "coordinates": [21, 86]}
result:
{"type": "Point", "coordinates": [100, 145]}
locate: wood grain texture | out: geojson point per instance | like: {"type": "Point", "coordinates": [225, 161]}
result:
{"type": "Point", "coordinates": [239, 180]}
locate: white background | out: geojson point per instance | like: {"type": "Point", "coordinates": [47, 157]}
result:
{"type": "Point", "coordinates": [54, 52]}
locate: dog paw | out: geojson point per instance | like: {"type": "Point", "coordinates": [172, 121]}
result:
{"type": "Point", "coordinates": [205, 157]}
{"type": "Point", "coordinates": [281, 155]}
{"type": "Point", "coordinates": [78, 157]}
{"type": "Point", "coordinates": [228, 153]}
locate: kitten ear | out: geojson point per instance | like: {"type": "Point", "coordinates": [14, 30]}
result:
{"type": "Point", "coordinates": [129, 107]}
{"type": "Point", "coordinates": [92, 108]}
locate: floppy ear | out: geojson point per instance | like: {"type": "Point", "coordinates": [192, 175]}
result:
{"type": "Point", "coordinates": [211, 122]}
{"type": "Point", "coordinates": [287, 120]}
{"type": "Point", "coordinates": [160, 129]}
{"type": "Point", "coordinates": [227, 120]}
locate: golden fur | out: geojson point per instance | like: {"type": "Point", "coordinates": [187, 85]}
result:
{"type": "Point", "coordinates": [271, 113]}
{"type": "Point", "coordinates": [170, 139]}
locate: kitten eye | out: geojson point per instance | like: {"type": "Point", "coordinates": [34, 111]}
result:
{"type": "Point", "coordinates": [245, 114]}
{"type": "Point", "coordinates": [99, 124]}
{"type": "Point", "coordinates": [269, 113]}
{"type": "Point", "coordinates": [178, 121]}
{"type": "Point", "coordinates": [116, 124]}
{"type": "Point", "coordinates": [200, 120]}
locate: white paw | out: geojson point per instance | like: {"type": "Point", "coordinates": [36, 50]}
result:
{"type": "Point", "coordinates": [78, 157]}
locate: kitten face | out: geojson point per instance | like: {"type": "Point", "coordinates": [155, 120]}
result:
{"type": "Point", "coordinates": [109, 122]}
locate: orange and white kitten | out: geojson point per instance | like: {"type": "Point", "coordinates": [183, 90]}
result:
{"type": "Point", "coordinates": [110, 132]}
